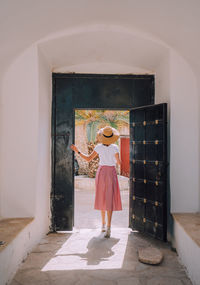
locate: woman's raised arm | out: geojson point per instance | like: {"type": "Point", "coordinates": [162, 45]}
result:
{"type": "Point", "coordinates": [88, 158]}
{"type": "Point", "coordinates": [117, 158]}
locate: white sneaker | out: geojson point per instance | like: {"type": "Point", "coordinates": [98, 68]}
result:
{"type": "Point", "coordinates": [108, 232]}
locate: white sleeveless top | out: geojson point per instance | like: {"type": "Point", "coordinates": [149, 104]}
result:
{"type": "Point", "coordinates": [107, 154]}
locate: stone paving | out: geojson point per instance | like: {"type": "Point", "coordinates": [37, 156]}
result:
{"type": "Point", "coordinates": [85, 257]}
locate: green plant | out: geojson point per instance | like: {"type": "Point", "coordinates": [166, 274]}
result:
{"type": "Point", "coordinates": [96, 119]}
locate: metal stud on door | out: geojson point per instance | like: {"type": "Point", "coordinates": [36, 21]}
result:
{"type": "Point", "coordinates": [148, 171]}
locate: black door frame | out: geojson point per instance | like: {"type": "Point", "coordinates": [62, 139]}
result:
{"type": "Point", "coordinates": [142, 93]}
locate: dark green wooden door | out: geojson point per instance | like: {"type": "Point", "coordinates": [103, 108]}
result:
{"type": "Point", "coordinates": [74, 91]}
{"type": "Point", "coordinates": [148, 172]}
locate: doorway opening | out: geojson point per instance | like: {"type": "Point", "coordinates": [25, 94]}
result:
{"type": "Point", "coordinates": [87, 123]}
{"type": "Point", "coordinates": [89, 91]}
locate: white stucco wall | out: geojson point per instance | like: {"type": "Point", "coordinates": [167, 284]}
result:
{"type": "Point", "coordinates": [184, 115]}
{"type": "Point", "coordinates": [162, 81]}
{"type": "Point", "coordinates": [188, 252]}
{"type": "Point", "coordinates": [176, 84]}
{"type": "Point", "coordinates": [19, 136]}
{"type": "Point", "coordinates": [43, 182]}
{"type": "Point", "coordinates": [25, 154]}
{"type": "Point", "coordinates": [25, 136]}
{"type": "Point", "coordinates": [1, 106]}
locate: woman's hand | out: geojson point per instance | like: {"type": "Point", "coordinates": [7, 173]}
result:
{"type": "Point", "coordinates": [88, 158]}
{"type": "Point", "coordinates": [74, 148]}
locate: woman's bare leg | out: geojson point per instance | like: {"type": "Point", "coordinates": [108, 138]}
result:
{"type": "Point", "coordinates": [109, 217]}
{"type": "Point", "coordinates": [103, 218]}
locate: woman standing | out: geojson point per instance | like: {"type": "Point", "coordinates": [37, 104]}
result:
{"type": "Point", "coordinates": [107, 195]}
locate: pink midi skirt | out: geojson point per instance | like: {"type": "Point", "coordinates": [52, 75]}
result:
{"type": "Point", "coordinates": [107, 196]}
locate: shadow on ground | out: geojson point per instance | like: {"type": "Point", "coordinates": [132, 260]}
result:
{"type": "Point", "coordinates": [98, 249]}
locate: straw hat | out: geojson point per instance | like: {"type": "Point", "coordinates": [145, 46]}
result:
{"type": "Point", "coordinates": [107, 135]}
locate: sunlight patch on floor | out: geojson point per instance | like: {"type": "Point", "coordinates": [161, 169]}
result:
{"type": "Point", "coordinates": [88, 249]}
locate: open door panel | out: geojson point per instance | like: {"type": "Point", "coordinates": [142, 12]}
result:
{"type": "Point", "coordinates": [148, 170]}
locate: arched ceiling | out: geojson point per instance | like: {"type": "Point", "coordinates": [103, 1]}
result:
{"type": "Point", "coordinates": [100, 44]}
{"type": "Point", "coordinates": [174, 22]}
